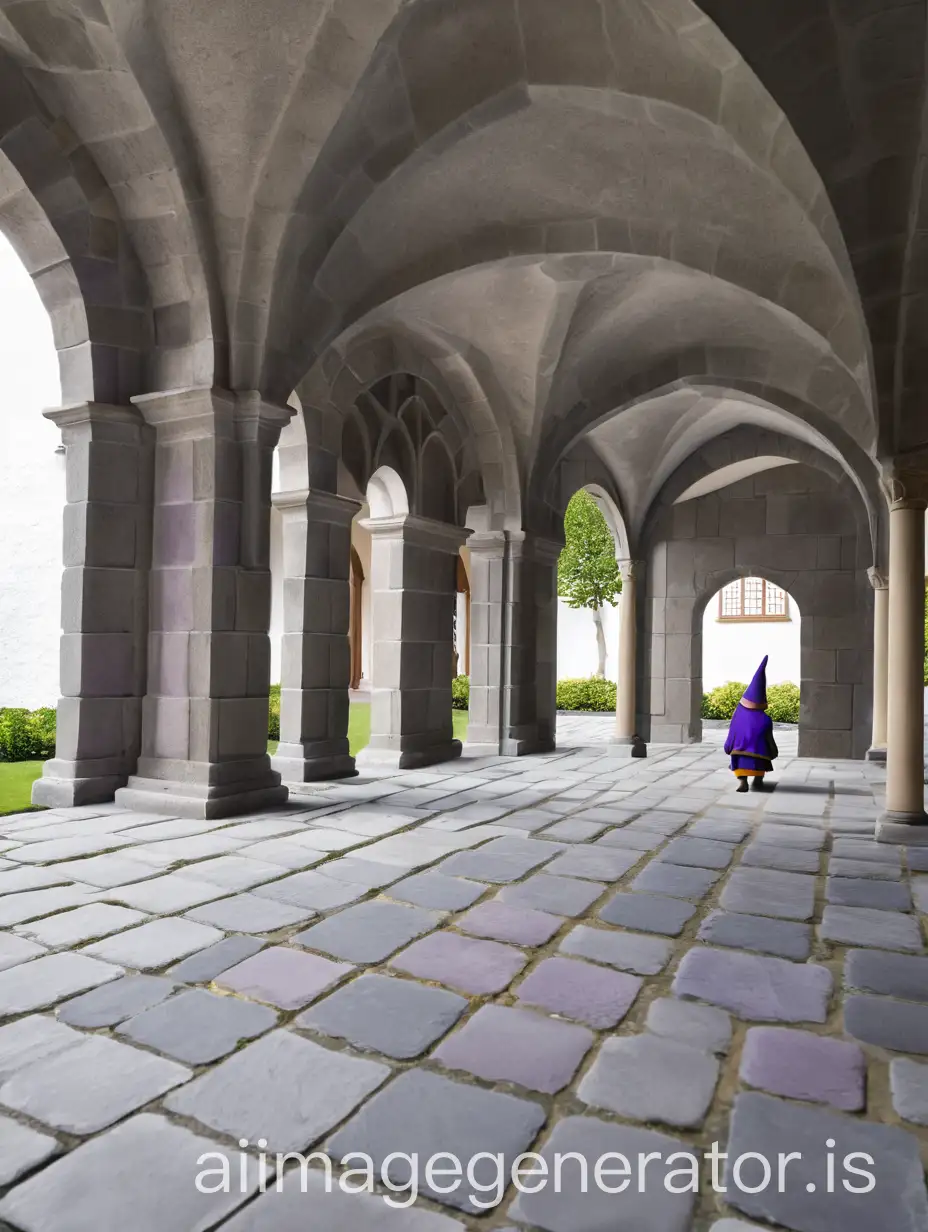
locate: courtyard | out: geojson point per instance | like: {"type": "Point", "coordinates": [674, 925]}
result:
{"type": "Point", "coordinates": [573, 954]}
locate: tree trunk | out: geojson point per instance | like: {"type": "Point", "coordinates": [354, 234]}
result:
{"type": "Point", "coordinates": [600, 642]}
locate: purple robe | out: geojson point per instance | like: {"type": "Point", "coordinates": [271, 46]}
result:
{"type": "Point", "coordinates": [750, 741]}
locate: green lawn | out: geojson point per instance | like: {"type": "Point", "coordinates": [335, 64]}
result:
{"type": "Point", "coordinates": [17, 777]}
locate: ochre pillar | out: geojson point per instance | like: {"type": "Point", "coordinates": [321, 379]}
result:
{"type": "Point", "coordinates": [904, 820]}
{"type": "Point", "coordinates": [627, 742]}
{"type": "Point", "coordinates": [880, 584]}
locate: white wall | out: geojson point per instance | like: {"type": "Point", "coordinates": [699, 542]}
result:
{"type": "Point", "coordinates": [576, 641]}
{"type": "Point", "coordinates": [732, 650]}
{"type": "Point", "coordinates": [32, 493]}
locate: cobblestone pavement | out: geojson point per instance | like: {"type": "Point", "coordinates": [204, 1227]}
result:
{"type": "Point", "coordinates": [565, 954]}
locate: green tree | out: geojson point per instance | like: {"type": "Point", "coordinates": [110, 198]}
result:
{"type": "Point", "coordinates": [587, 571]}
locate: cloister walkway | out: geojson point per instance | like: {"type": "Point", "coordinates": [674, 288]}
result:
{"type": "Point", "coordinates": [562, 953]}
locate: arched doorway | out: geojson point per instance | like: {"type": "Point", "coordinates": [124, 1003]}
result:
{"type": "Point", "coordinates": [461, 658]}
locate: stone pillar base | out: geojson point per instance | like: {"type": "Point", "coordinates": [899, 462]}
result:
{"type": "Point", "coordinates": [202, 801]}
{"type": "Point", "coordinates": [525, 746]}
{"type": "Point", "coordinates": [295, 764]}
{"type": "Point", "coordinates": [903, 829]}
{"type": "Point", "coordinates": [65, 784]}
{"type": "Point", "coordinates": [377, 759]}
{"type": "Point", "coordinates": [877, 754]}
{"type": "Point", "coordinates": [632, 747]}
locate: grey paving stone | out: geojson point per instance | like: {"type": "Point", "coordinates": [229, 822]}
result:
{"type": "Point", "coordinates": [697, 853]}
{"type": "Point", "coordinates": [786, 859]}
{"type": "Point", "coordinates": [164, 895]}
{"type": "Point", "coordinates": [761, 891]}
{"type": "Point", "coordinates": [504, 1044]}
{"type": "Point", "coordinates": [32, 1039]}
{"type": "Point", "coordinates": [735, 1225]}
{"type": "Point", "coordinates": [665, 823]}
{"type": "Point", "coordinates": [897, 1025]}
{"type": "Point", "coordinates": [574, 830]}
{"type": "Point", "coordinates": [863, 868]}
{"type": "Point", "coordinates": [21, 1149]}
{"type": "Point", "coordinates": [44, 981]}
{"type": "Point", "coordinates": [368, 932]}
{"type": "Point", "coordinates": [720, 830]}
{"type": "Point", "coordinates": [881, 930]}
{"type": "Point", "coordinates": [632, 840]}
{"type": "Point", "coordinates": [205, 966]}
{"type": "Point", "coordinates": [651, 1078]}
{"type": "Point", "coordinates": [284, 1088]}
{"type": "Point", "coordinates": [627, 951]}
{"type": "Point", "coordinates": [115, 869]}
{"type": "Point", "coordinates": [425, 1114]}
{"type": "Point", "coordinates": [648, 913]}
{"type": "Point", "coordinates": [528, 820]}
{"type": "Point", "coordinates": [801, 1065]}
{"type": "Point", "coordinates": [916, 856]}
{"type": "Point", "coordinates": [755, 987]}
{"type": "Point", "coordinates": [861, 892]}
{"type": "Point", "coordinates": [372, 874]}
{"type": "Point", "coordinates": [909, 1085]}
{"type": "Point", "coordinates": [333, 1210]}
{"type": "Point", "coordinates": [595, 863]}
{"type": "Point", "coordinates": [312, 890]}
{"type": "Point", "coordinates": [250, 914]}
{"type": "Point", "coordinates": [700, 1026]}
{"type": "Point", "coordinates": [580, 990]}
{"type": "Point", "coordinates": [290, 853]}
{"type": "Point", "coordinates": [236, 872]}
{"type": "Point", "coordinates": [796, 836]}
{"type": "Point", "coordinates": [920, 890]}
{"type": "Point", "coordinates": [578, 1207]}
{"type": "Point", "coordinates": [866, 849]}
{"type": "Point", "coordinates": [474, 966]}
{"type": "Point", "coordinates": [199, 1026]}
{"type": "Point", "coordinates": [79, 1191]}
{"type": "Point", "coordinates": [154, 944]}
{"type": "Point", "coordinates": [90, 1086]}
{"type": "Point", "coordinates": [771, 1126]}
{"type": "Point", "coordinates": [437, 892]}
{"type": "Point", "coordinates": [499, 864]}
{"type": "Point", "coordinates": [113, 1003]}
{"type": "Point", "coordinates": [505, 922]}
{"type": "Point", "coordinates": [674, 881]}
{"type": "Point", "coordinates": [285, 978]}
{"type": "Point", "coordinates": [30, 904]}
{"type": "Point", "coordinates": [894, 975]}
{"type": "Point", "coordinates": [397, 1017]}
{"type": "Point", "coordinates": [761, 934]}
{"type": "Point", "coordinates": [15, 880]}
{"type": "Point", "coordinates": [80, 924]}
{"type": "Point", "coordinates": [556, 895]}
{"type": "Point", "coordinates": [16, 950]}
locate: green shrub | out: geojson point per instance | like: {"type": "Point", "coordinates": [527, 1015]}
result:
{"type": "Point", "coordinates": [26, 734]}
{"type": "Point", "coordinates": [273, 713]}
{"type": "Point", "coordinates": [783, 702]}
{"type": "Point", "coordinates": [460, 693]}
{"type": "Point", "coordinates": [589, 694]}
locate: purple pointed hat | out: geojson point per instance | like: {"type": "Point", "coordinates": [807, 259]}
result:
{"type": "Point", "coordinates": [755, 695]}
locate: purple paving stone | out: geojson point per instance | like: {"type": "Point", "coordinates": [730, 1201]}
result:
{"type": "Point", "coordinates": [205, 966]}
{"type": "Point", "coordinates": [880, 930]}
{"type": "Point", "coordinates": [865, 892]}
{"type": "Point", "coordinates": [475, 967]}
{"type": "Point", "coordinates": [288, 979]}
{"type": "Point", "coordinates": [918, 859]}
{"type": "Point", "coordinates": [556, 895]}
{"type": "Point", "coordinates": [762, 1125]}
{"type": "Point", "coordinates": [866, 849]}
{"type": "Point", "coordinates": [501, 922]}
{"type": "Point", "coordinates": [782, 938]}
{"type": "Point", "coordinates": [754, 987]}
{"type": "Point", "coordinates": [863, 868]}
{"type": "Point", "coordinates": [920, 889]}
{"type": "Point", "coordinates": [648, 913]}
{"type": "Point", "coordinates": [892, 975]}
{"type": "Point", "coordinates": [761, 891]}
{"type": "Point", "coordinates": [801, 1065]}
{"type": "Point", "coordinates": [908, 1081]}
{"type": "Point", "coordinates": [896, 1025]}
{"type": "Point", "coordinates": [434, 890]}
{"type": "Point", "coordinates": [595, 863]}
{"type": "Point", "coordinates": [579, 990]}
{"type": "Point", "coordinates": [503, 1044]}
{"type": "Point", "coordinates": [697, 853]}
{"type": "Point", "coordinates": [675, 881]}
{"type": "Point", "coordinates": [627, 951]}
{"type": "Point", "coordinates": [368, 932]}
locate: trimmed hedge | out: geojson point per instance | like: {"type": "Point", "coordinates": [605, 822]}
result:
{"type": "Point", "coordinates": [782, 701]}
{"type": "Point", "coordinates": [590, 694]}
{"type": "Point", "coordinates": [460, 693]}
{"type": "Point", "coordinates": [273, 713]}
{"type": "Point", "coordinates": [26, 734]}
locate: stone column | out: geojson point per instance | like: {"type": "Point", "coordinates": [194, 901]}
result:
{"type": "Point", "coordinates": [315, 663]}
{"type": "Point", "coordinates": [877, 750]}
{"type": "Point", "coordinates": [413, 592]}
{"type": "Point", "coordinates": [627, 741]}
{"type": "Point", "coordinates": [204, 719]}
{"type": "Point", "coordinates": [107, 541]}
{"type": "Point", "coordinates": [904, 820]}
{"type": "Point", "coordinates": [485, 728]}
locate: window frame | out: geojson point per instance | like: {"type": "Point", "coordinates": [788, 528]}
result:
{"type": "Point", "coordinates": [765, 617]}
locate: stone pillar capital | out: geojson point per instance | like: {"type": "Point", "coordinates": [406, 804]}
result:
{"type": "Point", "coordinates": [317, 506]}
{"type": "Point", "coordinates": [421, 532]}
{"type": "Point", "coordinates": [79, 420]}
{"type": "Point", "coordinates": [631, 570]}
{"type": "Point", "coordinates": [905, 478]}
{"type": "Point", "coordinates": [258, 420]}
{"type": "Point", "coordinates": [879, 579]}
{"type": "Point", "coordinates": [187, 414]}
{"type": "Point", "coordinates": [490, 544]}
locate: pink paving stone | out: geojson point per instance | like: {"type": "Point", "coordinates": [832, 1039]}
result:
{"type": "Point", "coordinates": [283, 977]}
{"type": "Point", "coordinates": [501, 922]}
{"type": "Point", "coordinates": [579, 990]}
{"type": "Point", "coordinates": [475, 967]}
{"type": "Point", "coordinates": [502, 1044]}
{"type": "Point", "coordinates": [801, 1065]}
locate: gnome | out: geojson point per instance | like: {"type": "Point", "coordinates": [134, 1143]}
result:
{"type": "Point", "coordinates": [750, 742]}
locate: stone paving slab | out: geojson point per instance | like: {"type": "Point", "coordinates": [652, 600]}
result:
{"type": "Point", "coordinates": [759, 891]}
{"type": "Point", "coordinates": [626, 951]}
{"type": "Point", "coordinates": [648, 913]}
{"type": "Point", "coordinates": [675, 881]}
{"type": "Point", "coordinates": [894, 975]}
{"type": "Point", "coordinates": [204, 966]}
{"type": "Point", "coordinates": [555, 895]}
{"type": "Point", "coordinates": [755, 988]}
{"type": "Point", "coordinates": [700, 1026]}
{"type": "Point", "coordinates": [153, 945]}
{"type": "Point", "coordinates": [80, 924]}
{"type": "Point", "coordinates": [470, 965]}
{"type": "Point", "coordinates": [113, 1003]}
{"type": "Point", "coordinates": [436, 891]}
{"type": "Point", "coordinates": [285, 978]}
{"type": "Point", "coordinates": [198, 1026]}
{"type": "Point", "coordinates": [500, 921]}
{"type": "Point", "coordinates": [44, 981]}
{"type": "Point", "coordinates": [804, 1066]}
{"type": "Point", "coordinates": [909, 1085]}
{"type": "Point", "coordinates": [15, 950]}
{"type": "Point", "coordinates": [579, 990]}
{"type": "Point", "coordinates": [313, 891]}
{"type": "Point", "coordinates": [368, 932]}
{"type": "Point", "coordinates": [250, 914]}
{"type": "Point", "coordinates": [33, 1039]}
{"type": "Point", "coordinates": [651, 1078]}
{"type": "Point", "coordinates": [861, 892]}
{"type": "Point", "coordinates": [781, 938]}
{"type": "Point", "coordinates": [21, 1149]}
{"type": "Point", "coordinates": [897, 1025]}
{"type": "Point", "coordinates": [881, 930]}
